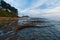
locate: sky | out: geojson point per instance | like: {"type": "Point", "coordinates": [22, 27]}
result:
{"type": "Point", "coordinates": [37, 8]}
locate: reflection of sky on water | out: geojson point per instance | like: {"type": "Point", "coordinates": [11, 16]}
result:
{"type": "Point", "coordinates": [1, 32]}
{"type": "Point", "coordinates": [38, 33]}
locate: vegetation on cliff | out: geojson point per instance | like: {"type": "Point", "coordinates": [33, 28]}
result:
{"type": "Point", "coordinates": [4, 13]}
{"type": "Point", "coordinates": [6, 10]}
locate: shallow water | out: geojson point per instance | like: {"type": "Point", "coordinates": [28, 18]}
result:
{"type": "Point", "coordinates": [52, 32]}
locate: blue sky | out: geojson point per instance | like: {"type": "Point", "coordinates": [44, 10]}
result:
{"type": "Point", "coordinates": [37, 8]}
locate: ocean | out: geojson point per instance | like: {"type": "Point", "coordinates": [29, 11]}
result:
{"type": "Point", "coordinates": [52, 32]}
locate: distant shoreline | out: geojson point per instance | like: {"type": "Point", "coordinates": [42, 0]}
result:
{"type": "Point", "coordinates": [9, 18]}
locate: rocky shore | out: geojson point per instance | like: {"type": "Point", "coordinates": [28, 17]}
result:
{"type": "Point", "coordinates": [10, 30]}
{"type": "Point", "coordinates": [9, 18]}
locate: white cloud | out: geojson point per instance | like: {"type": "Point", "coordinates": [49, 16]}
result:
{"type": "Point", "coordinates": [52, 11]}
{"type": "Point", "coordinates": [37, 3]}
{"type": "Point", "coordinates": [8, 1]}
{"type": "Point", "coordinates": [53, 14]}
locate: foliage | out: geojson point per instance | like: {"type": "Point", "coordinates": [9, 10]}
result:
{"type": "Point", "coordinates": [8, 7]}
{"type": "Point", "coordinates": [4, 13]}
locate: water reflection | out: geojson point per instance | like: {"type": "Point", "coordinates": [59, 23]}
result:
{"type": "Point", "coordinates": [7, 28]}
{"type": "Point", "coordinates": [8, 32]}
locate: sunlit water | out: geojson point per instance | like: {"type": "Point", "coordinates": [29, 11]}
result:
{"type": "Point", "coordinates": [52, 32]}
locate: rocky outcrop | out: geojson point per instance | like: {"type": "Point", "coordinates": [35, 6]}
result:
{"type": "Point", "coordinates": [8, 7]}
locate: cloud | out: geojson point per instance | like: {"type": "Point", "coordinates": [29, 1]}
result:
{"type": "Point", "coordinates": [37, 8]}
{"type": "Point", "coordinates": [8, 0]}
{"type": "Point", "coordinates": [48, 3]}
{"type": "Point", "coordinates": [53, 16]}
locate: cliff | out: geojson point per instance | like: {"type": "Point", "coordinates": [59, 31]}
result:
{"type": "Point", "coordinates": [6, 10]}
{"type": "Point", "coordinates": [4, 13]}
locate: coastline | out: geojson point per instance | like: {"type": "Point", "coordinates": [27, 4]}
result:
{"type": "Point", "coordinates": [9, 18]}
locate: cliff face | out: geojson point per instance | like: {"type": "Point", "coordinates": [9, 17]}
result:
{"type": "Point", "coordinates": [7, 10]}
{"type": "Point", "coordinates": [4, 13]}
